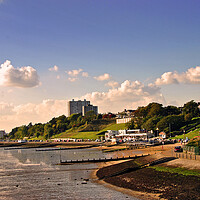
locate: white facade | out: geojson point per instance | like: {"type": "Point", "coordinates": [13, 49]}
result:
{"type": "Point", "coordinates": [123, 120]}
{"type": "Point", "coordinates": [127, 135]}
{"type": "Point", "coordinates": [163, 135]}
{"type": "Point", "coordinates": [110, 134]}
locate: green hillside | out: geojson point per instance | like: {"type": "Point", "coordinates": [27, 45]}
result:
{"type": "Point", "coordinates": [92, 135]}
{"type": "Point", "coordinates": [171, 119]}
{"type": "Point", "coordinates": [76, 134]}
{"type": "Point", "coordinates": [190, 135]}
{"type": "Point", "coordinates": [114, 127]}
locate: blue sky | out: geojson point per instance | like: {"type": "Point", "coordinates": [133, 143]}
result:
{"type": "Point", "coordinates": [134, 40]}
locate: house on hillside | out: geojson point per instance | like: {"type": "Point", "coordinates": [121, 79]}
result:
{"type": "Point", "coordinates": [125, 116]}
{"type": "Point", "coordinates": [163, 135]}
{"type": "Point", "coordinates": [126, 113]}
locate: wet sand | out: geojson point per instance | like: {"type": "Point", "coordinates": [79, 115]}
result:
{"type": "Point", "coordinates": [137, 194]}
{"type": "Point", "coordinates": [175, 187]}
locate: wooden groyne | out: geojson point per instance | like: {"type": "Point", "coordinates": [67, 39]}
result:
{"type": "Point", "coordinates": [60, 149]}
{"type": "Point", "coordinates": [46, 148]}
{"type": "Point", "coordinates": [127, 170]}
{"type": "Point", "coordinates": [100, 159]}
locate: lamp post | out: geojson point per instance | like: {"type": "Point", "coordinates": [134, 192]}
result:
{"type": "Point", "coordinates": [170, 130]}
{"type": "Point", "coordinates": [157, 131]}
{"type": "Point", "coordinates": [184, 136]}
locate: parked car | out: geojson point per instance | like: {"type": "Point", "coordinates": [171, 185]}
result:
{"type": "Point", "coordinates": [178, 149]}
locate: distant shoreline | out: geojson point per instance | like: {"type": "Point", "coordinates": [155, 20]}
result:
{"type": "Point", "coordinates": [48, 144]}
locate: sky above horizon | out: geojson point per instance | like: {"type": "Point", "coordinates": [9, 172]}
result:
{"type": "Point", "coordinates": [116, 53]}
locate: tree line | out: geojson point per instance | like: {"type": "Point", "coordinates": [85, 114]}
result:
{"type": "Point", "coordinates": [153, 117]}
{"type": "Point", "coordinates": [170, 119]}
{"type": "Point", "coordinates": [55, 126]}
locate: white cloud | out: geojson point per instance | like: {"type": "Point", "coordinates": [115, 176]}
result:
{"type": "Point", "coordinates": [72, 79]}
{"type": "Point", "coordinates": [18, 77]}
{"type": "Point", "coordinates": [6, 108]}
{"type": "Point", "coordinates": [85, 74]}
{"type": "Point", "coordinates": [74, 72]}
{"type": "Point", "coordinates": [103, 77]}
{"type": "Point", "coordinates": [191, 76]}
{"type": "Point", "coordinates": [12, 116]}
{"type": "Point", "coordinates": [55, 68]}
{"type": "Point", "coordinates": [112, 84]}
{"type": "Point", "coordinates": [127, 95]}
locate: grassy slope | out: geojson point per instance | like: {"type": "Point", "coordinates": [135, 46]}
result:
{"type": "Point", "coordinates": [190, 135]}
{"type": "Point", "coordinates": [89, 134]}
{"type": "Point", "coordinates": [177, 170]}
{"type": "Point", "coordinates": [114, 127]}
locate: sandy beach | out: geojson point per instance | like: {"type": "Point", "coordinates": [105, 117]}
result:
{"type": "Point", "coordinates": [156, 152]}
{"type": "Point", "coordinates": [137, 194]}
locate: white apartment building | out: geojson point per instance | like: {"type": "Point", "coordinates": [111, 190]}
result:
{"type": "Point", "coordinates": [76, 107]}
{"type": "Point", "coordinates": [89, 107]}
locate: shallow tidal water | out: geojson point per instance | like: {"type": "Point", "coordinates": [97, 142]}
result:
{"type": "Point", "coordinates": [30, 174]}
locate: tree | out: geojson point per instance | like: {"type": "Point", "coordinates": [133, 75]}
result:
{"type": "Point", "coordinates": [155, 109]}
{"type": "Point", "coordinates": [171, 110]}
{"type": "Point", "coordinates": [141, 112]}
{"type": "Point", "coordinates": [31, 131]}
{"type": "Point", "coordinates": [151, 123]}
{"type": "Point", "coordinates": [173, 122]}
{"type": "Point", "coordinates": [48, 131]}
{"type": "Point", "coordinates": [64, 119]}
{"type": "Point", "coordinates": [99, 116]}
{"type": "Point", "coordinates": [130, 125]}
{"type": "Point", "coordinates": [73, 117]}
{"type": "Point", "coordinates": [191, 107]}
{"type": "Point", "coordinates": [188, 117]}
{"type": "Point", "coordinates": [12, 133]}
{"type": "Point", "coordinates": [90, 115]}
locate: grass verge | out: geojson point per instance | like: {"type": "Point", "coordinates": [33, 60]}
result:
{"type": "Point", "coordinates": [189, 135]}
{"type": "Point", "coordinates": [177, 170]}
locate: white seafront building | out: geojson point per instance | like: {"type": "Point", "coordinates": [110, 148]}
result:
{"type": "Point", "coordinates": [128, 135]}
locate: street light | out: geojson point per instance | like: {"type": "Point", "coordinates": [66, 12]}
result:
{"type": "Point", "coordinates": [170, 130]}
{"type": "Point", "coordinates": [157, 131]}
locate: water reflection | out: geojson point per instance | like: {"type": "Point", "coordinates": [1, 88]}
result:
{"type": "Point", "coordinates": [30, 174]}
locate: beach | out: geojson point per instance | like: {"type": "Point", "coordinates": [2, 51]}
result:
{"type": "Point", "coordinates": [147, 183]}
